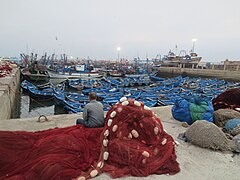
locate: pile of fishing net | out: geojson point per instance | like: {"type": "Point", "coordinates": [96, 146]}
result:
{"type": "Point", "coordinates": [232, 127]}
{"type": "Point", "coordinates": [221, 116]}
{"type": "Point", "coordinates": [132, 142]}
{"type": "Point", "coordinates": [5, 70]}
{"type": "Point", "coordinates": [229, 99]}
{"type": "Point", "coordinates": [191, 109]}
{"type": "Point", "coordinates": [236, 139]}
{"type": "Point", "coordinates": [208, 135]}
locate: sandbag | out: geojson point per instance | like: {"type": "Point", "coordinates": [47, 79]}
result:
{"type": "Point", "coordinates": [208, 135]}
{"type": "Point", "coordinates": [221, 116]}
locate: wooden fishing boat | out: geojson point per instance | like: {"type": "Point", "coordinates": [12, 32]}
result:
{"type": "Point", "coordinates": [76, 97]}
{"type": "Point", "coordinates": [115, 73]}
{"type": "Point", "coordinates": [172, 59]}
{"type": "Point", "coordinates": [73, 110]}
{"type": "Point", "coordinates": [26, 84]}
{"type": "Point", "coordinates": [153, 77]}
{"type": "Point", "coordinates": [59, 94]}
{"type": "Point", "coordinates": [149, 102]}
{"type": "Point", "coordinates": [74, 105]}
{"type": "Point", "coordinates": [79, 71]}
{"type": "Point", "coordinates": [41, 95]}
{"type": "Point", "coordinates": [34, 75]}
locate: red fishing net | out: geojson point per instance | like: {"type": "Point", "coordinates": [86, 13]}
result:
{"type": "Point", "coordinates": [51, 154]}
{"type": "Point", "coordinates": [229, 99]}
{"type": "Point", "coordinates": [132, 142]}
{"type": "Point", "coordinates": [5, 70]}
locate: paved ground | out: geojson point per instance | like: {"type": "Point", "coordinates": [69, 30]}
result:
{"type": "Point", "coordinates": [196, 163]}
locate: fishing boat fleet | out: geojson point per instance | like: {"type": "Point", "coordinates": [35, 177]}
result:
{"type": "Point", "coordinates": [113, 80]}
{"type": "Point", "coordinates": [74, 71]}
{"type": "Point", "coordinates": [41, 69]}
{"type": "Point", "coordinates": [153, 91]}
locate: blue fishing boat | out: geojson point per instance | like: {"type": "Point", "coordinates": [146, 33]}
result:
{"type": "Point", "coordinates": [166, 102]}
{"type": "Point", "coordinates": [134, 95]}
{"type": "Point", "coordinates": [75, 105]}
{"type": "Point", "coordinates": [59, 93]}
{"type": "Point", "coordinates": [25, 85]}
{"type": "Point", "coordinates": [76, 97]}
{"type": "Point", "coordinates": [60, 97]}
{"type": "Point", "coordinates": [75, 84]}
{"type": "Point", "coordinates": [73, 72]}
{"type": "Point", "coordinates": [111, 100]}
{"type": "Point", "coordinates": [154, 77]}
{"type": "Point", "coordinates": [41, 95]}
{"type": "Point", "coordinates": [149, 102]}
{"type": "Point", "coordinates": [73, 110]}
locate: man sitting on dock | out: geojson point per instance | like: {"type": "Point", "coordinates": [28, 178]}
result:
{"type": "Point", "coordinates": [93, 114]}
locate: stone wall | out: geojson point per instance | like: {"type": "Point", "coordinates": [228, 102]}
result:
{"type": "Point", "coordinates": [9, 86]}
{"type": "Point", "coordinates": [211, 73]}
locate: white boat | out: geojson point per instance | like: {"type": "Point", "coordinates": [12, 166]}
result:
{"type": "Point", "coordinates": [79, 71]}
{"type": "Point", "coordinates": [115, 73]}
{"type": "Point", "coordinates": [74, 75]}
{"type": "Point", "coordinates": [136, 75]}
{"type": "Point", "coordinates": [182, 58]}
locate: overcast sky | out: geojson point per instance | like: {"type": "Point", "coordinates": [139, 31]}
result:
{"type": "Point", "coordinates": [95, 28]}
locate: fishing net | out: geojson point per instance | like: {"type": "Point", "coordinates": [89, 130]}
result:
{"type": "Point", "coordinates": [5, 70]}
{"type": "Point", "coordinates": [51, 154]}
{"type": "Point", "coordinates": [236, 139]}
{"type": "Point", "coordinates": [192, 109]}
{"type": "Point", "coordinates": [228, 99]}
{"type": "Point", "coordinates": [132, 142]}
{"type": "Point", "coordinates": [138, 145]}
{"type": "Point", "coordinates": [208, 135]}
{"type": "Point", "coordinates": [221, 116]}
{"type": "Point", "coordinates": [232, 127]}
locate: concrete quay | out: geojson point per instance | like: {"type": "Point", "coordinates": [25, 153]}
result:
{"type": "Point", "coordinates": [9, 86]}
{"type": "Point", "coordinates": [208, 73]}
{"type": "Point", "coordinates": [195, 162]}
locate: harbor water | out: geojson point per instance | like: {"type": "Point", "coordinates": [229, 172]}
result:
{"type": "Point", "coordinates": [26, 107]}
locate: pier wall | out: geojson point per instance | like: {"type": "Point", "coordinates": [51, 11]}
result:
{"type": "Point", "coordinates": [210, 73]}
{"type": "Point", "coordinates": [9, 87]}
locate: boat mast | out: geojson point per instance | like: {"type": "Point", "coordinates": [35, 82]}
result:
{"type": "Point", "coordinates": [193, 41]}
{"type": "Point", "coordinates": [176, 50]}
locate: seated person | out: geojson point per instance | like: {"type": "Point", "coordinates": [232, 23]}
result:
{"type": "Point", "coordinates": [93, 114]}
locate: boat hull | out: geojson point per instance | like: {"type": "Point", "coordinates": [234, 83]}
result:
{"type": "Point", "coordinates": [26, 75]}
{"type": "Point", "coordinates": [54, 75]}
{"type": "Point", "coordinates": [178, 60]}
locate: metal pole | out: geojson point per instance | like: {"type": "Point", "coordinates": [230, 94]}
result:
{"type": "Point", "coordinates": [118, 55]}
